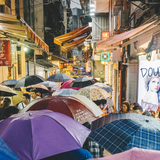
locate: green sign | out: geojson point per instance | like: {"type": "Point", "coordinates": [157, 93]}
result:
{"type": "Point", "coordinates": [105, 56]}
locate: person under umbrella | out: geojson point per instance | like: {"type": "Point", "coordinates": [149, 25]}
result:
{"type": "Point", "coordinates": [33, 95]}
{"type": "Point", "coordinates": [9, 111]}
{"type": "Point", "coordinates": [29, 80]}
{"type": "Point", "coordinates": [25, 101]}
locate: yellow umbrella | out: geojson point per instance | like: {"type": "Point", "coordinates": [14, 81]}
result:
{"type": "Point", "coordinates": [18, 98]}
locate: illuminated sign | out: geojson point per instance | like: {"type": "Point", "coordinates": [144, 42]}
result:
{"type": "Point", "coordinates": [105, 35]}
{"type": "Point", "coordinates": [105, 56]}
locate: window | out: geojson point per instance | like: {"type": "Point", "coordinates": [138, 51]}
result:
{"type": "Point", "coordinates": [19, 64]}
{"type": "Point", "coordinates": [64, 3]}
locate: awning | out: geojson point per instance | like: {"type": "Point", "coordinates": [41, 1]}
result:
{"type": "Point", "coordinates": [73, 44]}
{"type": "Point", "coordinates": [15, 28]}
{"type": "Point", "coordinates": [62, 58]}
{"type": "Point", "coordinates": [116, 40]}
{"type": "Point", "coordinates": [45, 63]}
{"type": "Point", "coordinates": [71, 35]}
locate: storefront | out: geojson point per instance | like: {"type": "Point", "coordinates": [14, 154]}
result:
{"type": "Point", "coordinates": [19, 37]}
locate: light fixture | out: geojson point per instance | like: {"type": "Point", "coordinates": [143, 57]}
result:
{"type": "Point", "coordinates": [25, 49]}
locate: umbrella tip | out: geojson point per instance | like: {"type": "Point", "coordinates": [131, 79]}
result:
{"type": "Point", "coordinates": [30, 114]}
{"type": "Point", "coordinates": [147, 120]}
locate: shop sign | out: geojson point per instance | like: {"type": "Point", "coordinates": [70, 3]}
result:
{"type": "Point", "coordinates": [105, 35]}
{"type": "Point", "coordinates": [105, 56]}
{"type": "Point", "coordinates": [86, 56]}
{"type": "Point", "coordinates": [14, 53]}
{"type": "Point", "coordinates": [149, 85]}
{"type": "Point", "coordinates": [5, 53]}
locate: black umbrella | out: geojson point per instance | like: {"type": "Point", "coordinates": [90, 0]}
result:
{"type": "Point", "coordinates": [59, 78]}
{"type": "Point", "coordinates": [10, 82]}
{"type": "Point", "coordinates": [29, 80]}
{"type": "Point", "coordinates": [83, 82]}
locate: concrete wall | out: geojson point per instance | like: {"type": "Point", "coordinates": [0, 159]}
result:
{"type": "Point", "coordinates": [132, 81]}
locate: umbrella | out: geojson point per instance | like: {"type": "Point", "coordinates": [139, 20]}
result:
{"type": "Point", "coordinates": [6, 91]}
{"type": "Point", "coordinates": [83, 82]}
{"type": "Point", "coordinates": [67, 85]}
{"type": "Point", "coordinates": [17, 98]}
{"type": "Point", "coordinates": [64, 92]}
{"type": "Point", "coordinates": [120, 132]}
{"type": "Point", "coordinates": [68, 105]}
{"type": "Point", "coordinates": [134, 154]}
{"type": "Point", "coordinates": [93, 93]}
{"type": "Point", "coordinates": [104, 86]}
{"type": "Point", "coordinates": [59, 78]}
{"type": "Point", "coordinates": [5, 152]}
{"type": "Point", "coordinates": [50, 84]}
{"type": "Point", "coordinates": [10, 82]}
{"type": "Point", "coordinates": [39, 134]}
{"type": "Point", "coordinates": [39, 87]}
{"type": "Point", "coordinates": [29, 80]}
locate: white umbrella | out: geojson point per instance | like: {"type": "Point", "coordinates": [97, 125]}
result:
{"type": "Point", "coordinates": [6, 91]}
{"type": "Point", "coordinates": [91, 105]}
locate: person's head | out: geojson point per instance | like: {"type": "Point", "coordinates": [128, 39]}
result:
{"type": "Point", "coordinates": [137, 109]}
{"type": "Point", "coordinates": [6, 102]}
{"type": "Point", "coordinates": [153, 83]}
{"type": "Point", "coordinates": [148, 114]}
{"type": "Point", "coordinates": [33, 93]}
{"type": "Point", "coordinates": [25, 98]}
{"type": "Point", "coordinates": [9, 111]}
{"type": "Point", "coordinates": [131, 106]}
{"type": "Point", "coordinates": [125, 107]}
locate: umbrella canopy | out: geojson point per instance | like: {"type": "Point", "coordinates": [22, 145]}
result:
{"type": "Point", "coordinates": [104, 86]}
{"type": "Point", "coordinates": [17, 98]}
{"type": "Point", "coordinates": [39, 87]}
{"type": "Point", "coordinates": [120, 132]}
{"type": "Point", "coordinates": [6, 91]}
{"type": "Point", "coordinates": [93, 93]}
{"type": "Point", "coordinates": [50, 84]}
{"type": "Point", "coordinates": [64, 92]}
{"type": "Point", "coordinates": [134, 154]}
{"type": "Point", "coordinates": [67, 85]}
{"type": "Point", "coordinates": [29, 80]}
{"type": "Point", "coordinates": [68, 105]}
{"type": "Point", "coordinates": [5, 152]}
{"type": "Point", "coordinates": [10, 82]}
{"type": "Point", "coordinates": [59, 78]}
{"type": "Point", "coordinates": [83, 82]}
{"type": "Point", "coordinates": [39, 134]}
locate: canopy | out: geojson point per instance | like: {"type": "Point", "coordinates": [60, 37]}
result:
{"type": "Point", "coordinates": [120, 37]}
{"type": "Point", "coordinates": [15, 28]}
{"type": "Point", "coordinates": [73, 44]}
{"type": "Point", "coordinates": [71, 35]}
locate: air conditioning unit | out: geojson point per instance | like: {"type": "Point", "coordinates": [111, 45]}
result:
{"type": "Point", "coordinates": [152, 1]}
{"type": "Point", "coordinates": [123, 19]}
{"type": "Point", "coordinates": [7, 10]}
{"type": "Point", "coordinates": [115, 22]}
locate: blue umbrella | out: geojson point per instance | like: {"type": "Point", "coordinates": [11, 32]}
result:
{"type": "Point", "coordinates": [5, 152]}
{"type": "Point", "coordinates": [120, 132]}
{"type": "Point", "coordinates": [65, 92]}
{"type": "Point", "coordinates": [10, 82]}
{"type": "Point", "coordinates": [59, 78]}
{"type": "Point", "coordinates": [104, 86]}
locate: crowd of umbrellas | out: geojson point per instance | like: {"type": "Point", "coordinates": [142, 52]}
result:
{"type": "Point", "coordinates": [54, 124]}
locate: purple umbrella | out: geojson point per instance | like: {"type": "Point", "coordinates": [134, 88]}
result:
{"type": "Point", "coordinates": [40, 134]}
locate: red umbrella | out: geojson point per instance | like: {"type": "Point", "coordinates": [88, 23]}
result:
{"type": "Point", "coordinates": [67, 105]}
{"type": "Point", "coordinates": [67, 85]}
